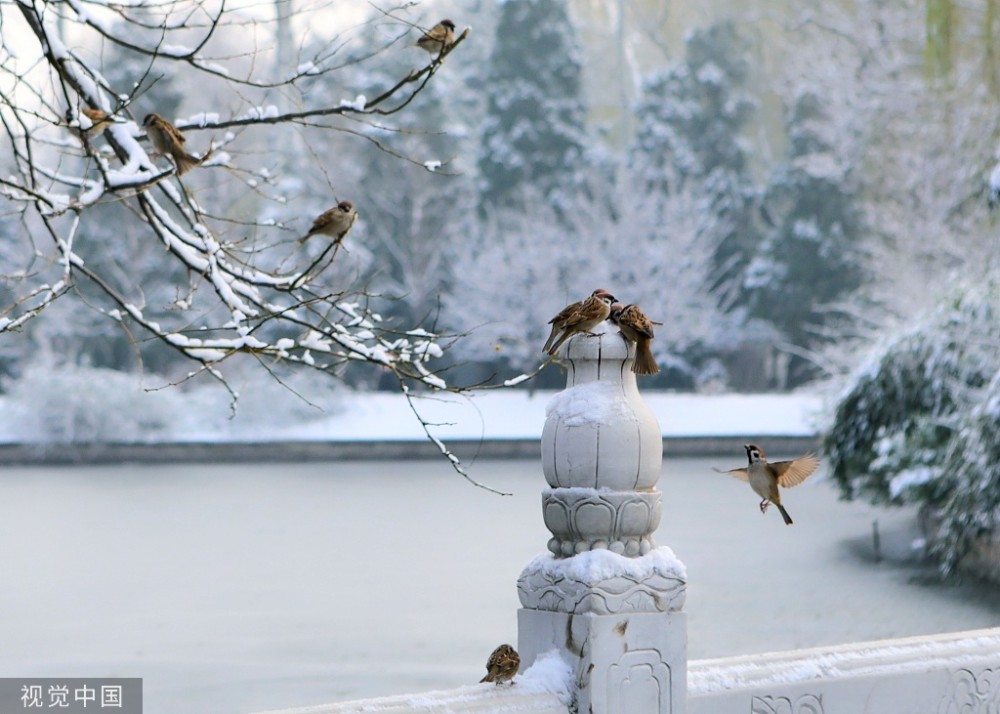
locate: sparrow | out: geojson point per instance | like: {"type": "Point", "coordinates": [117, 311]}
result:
{"type": "Point", "coordinates": [99, 121]}
{"type": "Point", "coordinates": [167, 139]}
{"type": "Point", "coordinates": [580, 317]}
{"type": "Point", "coordinates": [502, 665]}
{"type": "Point", "coordinates": [436, 39]}
{"type": "Point", "coordinates": [334, 223]}
{"type": "Point", "coordinates": [636, 327]}
{"type": "Point", "coordinates": [765, 478]}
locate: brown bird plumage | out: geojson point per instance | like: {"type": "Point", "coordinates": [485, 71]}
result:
{"type": "Point", "coordinates": [437, 38]}
{"type": "Point", "coordinates": [502, 665]}
{"type": "Point", "coordinates": [579, 317]}
{"type": "Point", "coordinates": [765, 478]}
{"type": "Point", "coordinates": [636, 327]}
{"type": "Point", "coordinates": [99, 121]}
{"type": "Point", "coordinates": [333, 223]}
{"type": "Point", "coordinates": [167, 139]}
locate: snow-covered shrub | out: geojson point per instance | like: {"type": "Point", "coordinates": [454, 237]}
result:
{"type": "Point", "coordinates": [75, 404]}
{"type": "Point", "coordinates": [920, 423]}
{"type": "Point", "coordinates": [971, 512]}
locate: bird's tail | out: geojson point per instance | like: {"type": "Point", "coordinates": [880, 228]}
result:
{"type": "Point", "coordinates": [566, 334]}
{"type": "Point", "coordinates": [784, 514]}
{"type": "Point", "coordinates": [186, 161]}
{"type": "Point", "coordinates": [644, 363]}
{"type": "Point", "coordinates": [487, 678]}
{"type": "Point", "coordinates": [552, 337]}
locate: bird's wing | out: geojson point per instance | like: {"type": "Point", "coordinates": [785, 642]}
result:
{"type": "Point", "coordinates": [741, 474]}
{"type": "Point", "coordinates": [566, 312]}
{"type": "Point", "coordinates": [322, 220]}
{"type": "Point", "coordinates": [792, 473]}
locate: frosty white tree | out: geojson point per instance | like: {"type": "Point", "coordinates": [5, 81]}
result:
{"type": "Point", "coordinates": [227, 277]}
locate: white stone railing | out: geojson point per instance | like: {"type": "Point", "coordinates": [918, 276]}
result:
{"type": "Point", "coordinates": [602, 629]}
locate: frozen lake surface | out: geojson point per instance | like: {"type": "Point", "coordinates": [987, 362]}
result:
{"type": "Point", "coordinates": [233, 589]}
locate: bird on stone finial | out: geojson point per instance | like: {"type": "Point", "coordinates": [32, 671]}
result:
{"type": "Point", "coordinates": [502, 665]}
{"type": "Point", "coordinates": [579, 317]}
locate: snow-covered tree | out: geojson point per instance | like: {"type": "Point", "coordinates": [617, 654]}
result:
{"type": "Point", "coordinates": [643, 246]}
{"type": "Point", "coordinates": [807, 262]}
{"type": "Point", "coordinates": [918, 423]}
{"type": "Point", "coordinates": [533, 134]}
{"type": "Point", "coordinates": [691, 120]}
{"type": "Point", "coordinates": [218, 279]}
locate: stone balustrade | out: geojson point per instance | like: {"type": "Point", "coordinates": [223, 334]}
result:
{"type": "Point", "coordinates": [602, 629]}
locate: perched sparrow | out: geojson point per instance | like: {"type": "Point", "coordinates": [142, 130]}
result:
{"type": "Point", "coordinates": [438, 37]}
{"type": "Point", "coordinates": [765, 478]}
{"type": "Point", "coordinates": [334, 223]}
{"type": "Point", "coordinates": [99, 121]}
{"type": "Point", "coordinates": [583, 317]}
{"type": "Point", "coordinates": [559, 321]}
{"type": "Point", "coordinates": [502, 665]}
{"type": "Point", "coordinates": [167, 139]}
{"type": "Point", "coordinates": [636, 327]}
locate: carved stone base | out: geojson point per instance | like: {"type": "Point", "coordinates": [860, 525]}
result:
{"type": "Point", "coordinates": [582, 519]}
{"type": "Point", "coordinates": [604, 583]}
{"type": "Point", "coordinates": [634, 662]}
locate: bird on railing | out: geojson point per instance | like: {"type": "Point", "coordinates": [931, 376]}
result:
{"type": "Point", "coordinates": [765, 478]}
{"type": "Point", "coordinates": [502, 665]}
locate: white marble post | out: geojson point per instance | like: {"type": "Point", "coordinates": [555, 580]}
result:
{"type": "Point", "coordinates": [605, 595]}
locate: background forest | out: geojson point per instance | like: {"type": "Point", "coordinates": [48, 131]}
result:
{"type": "Point", "coordinates": [778, 186]}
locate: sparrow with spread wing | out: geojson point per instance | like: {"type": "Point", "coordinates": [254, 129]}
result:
{"type": "Point", "coordinates": [167, 139]}
{"type": "Point", "coordinates": [502, 665]}
{"type": "Point", "coordinates": [439, 37]}
{"type": "Point", "coordinates": [765, 478]}
{"type": "Point", "coordinates": [636, 327]}
{"type": "Point", "coordinates": [333, 223]}
{"type": "Point", "coordinates": [583, 317]}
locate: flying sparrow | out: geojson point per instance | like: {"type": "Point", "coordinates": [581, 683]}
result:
{"type": "Point", "coordinates": [636, 327]}
{"type": "Point", "coordinates": [765, 478]}
{"type": "Point", "coordinates": [502, 665]}
{"type": "Point", "coordinates": [583, 317]}
{"type": "Point", "coordinates": [334, 223]}
{"type": "Point", "coordinates": [439, 37]}
{"type": "Point", "coordinates": [167, 139]}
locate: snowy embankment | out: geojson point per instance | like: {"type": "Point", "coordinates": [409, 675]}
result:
{"type": "Point", "coordinates": [192, 427]}
{"type": "Point", "coordinates": [517, 415]}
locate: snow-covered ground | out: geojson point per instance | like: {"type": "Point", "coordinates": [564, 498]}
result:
{"type": "Point", "coordinates": [520, 415]}
{"type": "Point", "coordinates": [378, 416]}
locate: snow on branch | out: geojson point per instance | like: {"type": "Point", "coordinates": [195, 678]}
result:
{"type": "Point", "coordinates": [146, 232]}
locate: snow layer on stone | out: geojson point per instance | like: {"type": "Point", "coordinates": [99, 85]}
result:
{"type": "Point", "coordinates": [550, 673]}
{"type": "Point", "coordinates": [597, 566]}
{"type": "Point", "coordinates": [867, 659]}
{"type": "Point", "coordinates": [589, 403]}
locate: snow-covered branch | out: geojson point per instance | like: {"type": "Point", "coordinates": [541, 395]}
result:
{"type": "Point", "coordinates": [105, 216]}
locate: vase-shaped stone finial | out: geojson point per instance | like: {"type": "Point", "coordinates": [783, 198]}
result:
{"type": "Point", "coordinates": [602, 451]}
